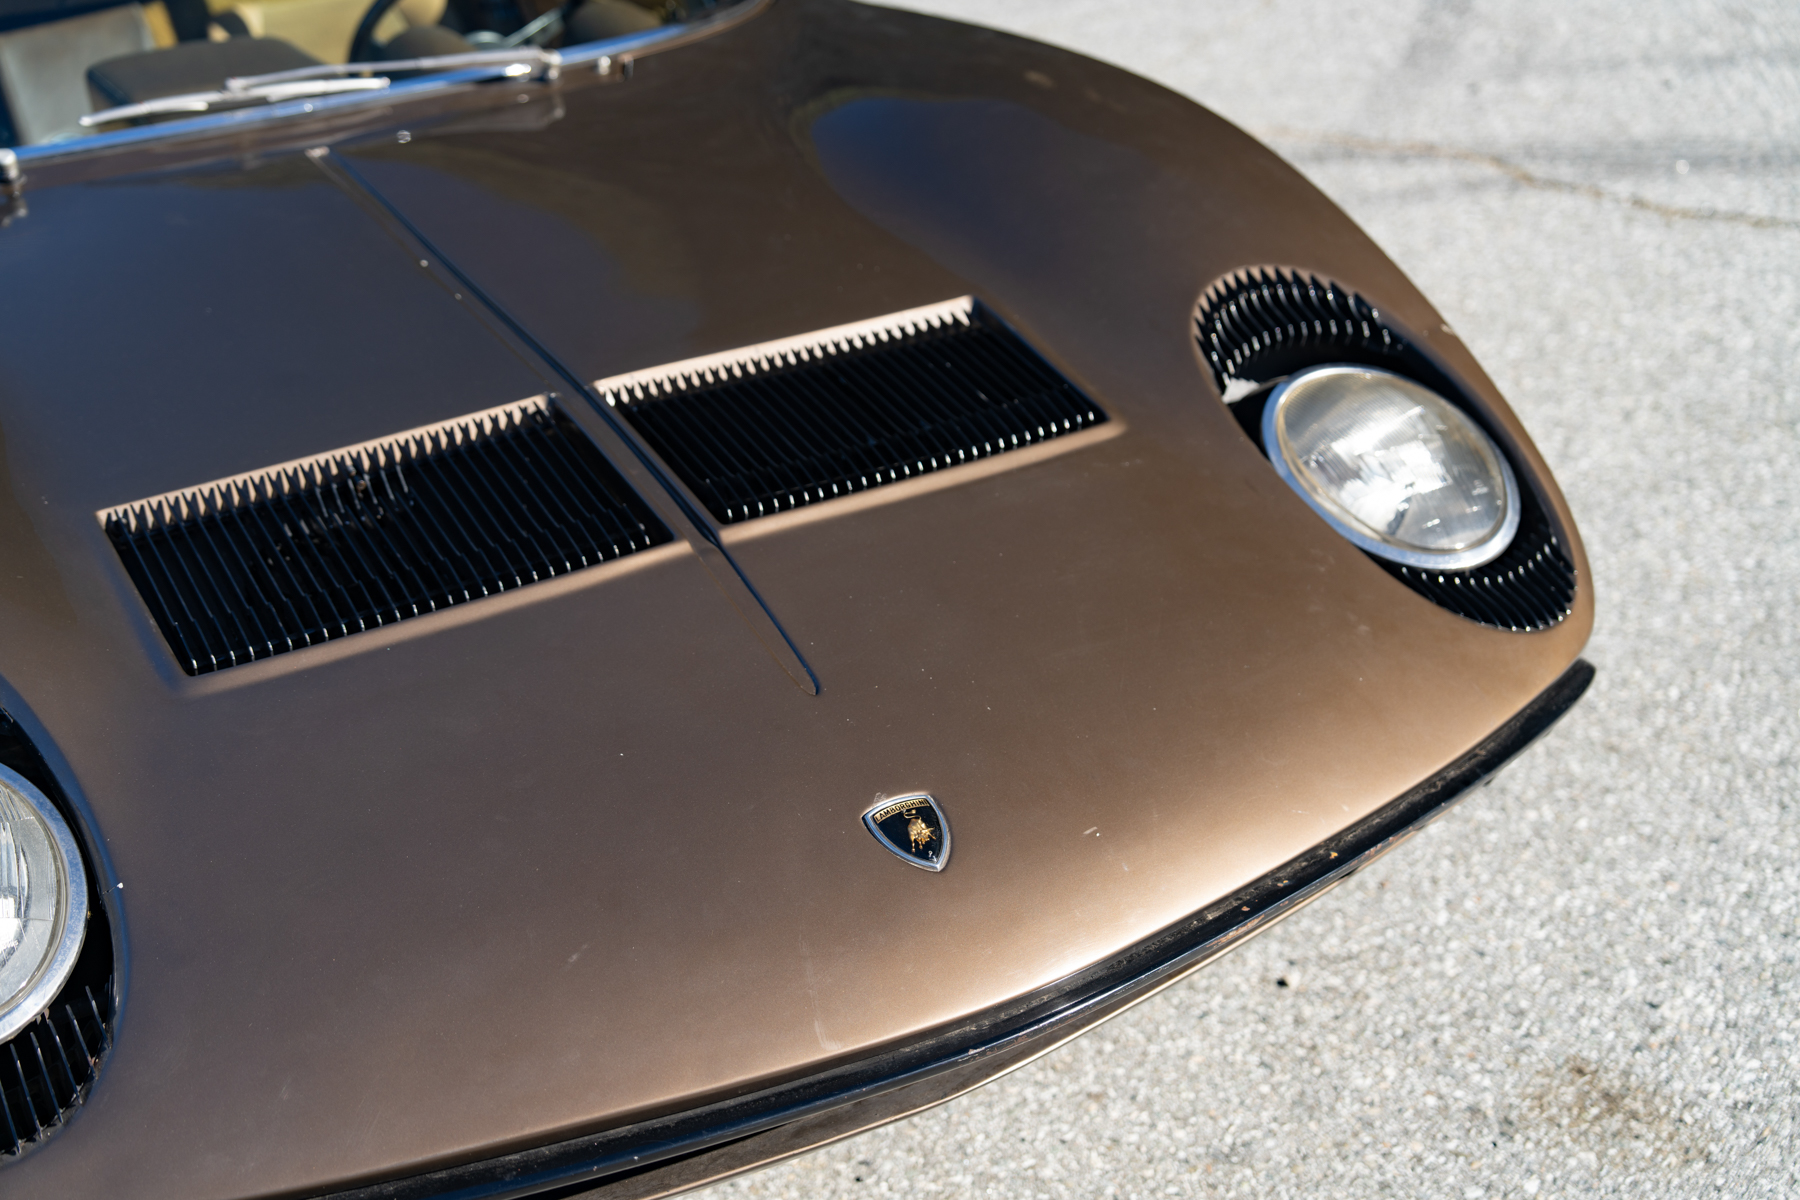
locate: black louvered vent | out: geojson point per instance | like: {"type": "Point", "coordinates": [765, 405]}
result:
{"type": "Point", "coordinates": [1261, 324]}
{"type": "Point", "coordinates": [1256, 326]}
{"type": "Point", "coordinates": [47, 1068]}
{"type": "Point", "coordinates": [780, 426]}
{"type": "Point", "coordinates": [352, 540]}
{"type": "Point", "coordinates": [1530, 586]}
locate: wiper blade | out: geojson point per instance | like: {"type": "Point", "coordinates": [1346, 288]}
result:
{"type": "Point", "coordinates": [199, 102]}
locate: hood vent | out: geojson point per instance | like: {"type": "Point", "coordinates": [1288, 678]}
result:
{"type": "Point", "coordinates": [308, 551]}
{"type": "Point", "coordinates": [772, 427]}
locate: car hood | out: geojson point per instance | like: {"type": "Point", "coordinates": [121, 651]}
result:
{"type": "Point", "coordinates": [583, 853]}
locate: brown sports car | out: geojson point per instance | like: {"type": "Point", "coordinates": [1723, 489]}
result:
{"type": "Point", "coordinates": [595, 596]}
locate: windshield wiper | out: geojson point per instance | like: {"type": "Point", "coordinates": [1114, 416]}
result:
{"type": "Point", "coordinates": [199, 102]}
{"type": "Point", "coordinates": [510, 63]}
{"type": "Point", "coordinates": [328, 79]}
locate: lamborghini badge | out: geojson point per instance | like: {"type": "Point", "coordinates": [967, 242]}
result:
{"type": "Point", "coordinates": [914, 828]}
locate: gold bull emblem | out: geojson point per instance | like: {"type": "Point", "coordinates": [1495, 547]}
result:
{"type": "Point", "coordinates": [918, 832]}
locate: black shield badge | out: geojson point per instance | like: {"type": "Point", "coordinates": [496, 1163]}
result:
{"type": "Point", "coordinates": [914, 828]}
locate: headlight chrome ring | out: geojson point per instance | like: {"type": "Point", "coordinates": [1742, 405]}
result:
{"type": "Point", "coordinates": [1394, 467]}
{"type": "Point", "coordinates": [43, 902]}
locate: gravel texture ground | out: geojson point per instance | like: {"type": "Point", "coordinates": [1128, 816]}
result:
{"type": "Point", "coordinates": [1583, 981]}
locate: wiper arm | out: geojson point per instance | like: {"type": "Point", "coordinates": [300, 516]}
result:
{"type": "Point", "coordinates": [199, 102]}
{"type": "Point", "coordinates": [509, 63]}
{"type": "Point", "coordinates": [329, 79]}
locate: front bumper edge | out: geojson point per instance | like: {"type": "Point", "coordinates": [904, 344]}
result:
{"type": "Point", "coordinates": [664, 1155]}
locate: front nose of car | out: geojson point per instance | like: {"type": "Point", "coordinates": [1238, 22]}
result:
{"type": "Point", "coordinates": [592, 848]}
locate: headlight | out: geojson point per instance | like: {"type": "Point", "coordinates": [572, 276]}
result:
{"type": "Point", "coordinates": [1393, 466]}
{"type": "Point", "coordinates": [43, 902]}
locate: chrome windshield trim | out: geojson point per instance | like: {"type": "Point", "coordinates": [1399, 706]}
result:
{"type": "Point", "coordinates": [603, 57]}
{"type": "Point", "coordinates": [244, 118]}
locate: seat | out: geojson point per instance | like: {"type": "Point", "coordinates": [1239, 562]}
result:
{"type": "Point", "coordinates": [41, 67]}
{"type": "Point", "coordinates": [189, 67]}
{"type": "Point", "coordinates": [427, 41]}
{"type": "Point", "coordinates": [600, 19]}
{"type": "Point", "coordinates": [323, 28]}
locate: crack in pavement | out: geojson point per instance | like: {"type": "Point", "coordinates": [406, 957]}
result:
{"type": "Point", "coordinates": [1524, 175]}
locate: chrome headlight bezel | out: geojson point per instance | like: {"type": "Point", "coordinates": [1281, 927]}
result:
{"type": "Point", "coordinates": [65, 945]}
{"type": "Point", "coordinates": [1355, 531]}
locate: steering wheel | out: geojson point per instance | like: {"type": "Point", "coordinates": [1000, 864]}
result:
{"type": "Point", "coordinates": [362, 45]}
{"type": "Point", "coordinates": [535, 32]}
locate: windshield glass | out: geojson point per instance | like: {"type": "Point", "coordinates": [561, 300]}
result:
{"type": "Point", "coordinates": [120, 65]}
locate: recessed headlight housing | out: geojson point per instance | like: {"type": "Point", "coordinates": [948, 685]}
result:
{"type": "Point", "coordinates": [43, 902]}
{"type": "Point", "coordinates": [1393, 466]}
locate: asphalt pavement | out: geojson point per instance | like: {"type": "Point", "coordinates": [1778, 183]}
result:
{"type": "Point", "coordinates": [1582, 982]}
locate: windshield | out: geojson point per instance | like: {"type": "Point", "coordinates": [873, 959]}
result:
{"type": "Point", "coordinates": [120, 65]}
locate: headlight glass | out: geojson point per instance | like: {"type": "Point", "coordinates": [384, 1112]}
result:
{"type": "Point", "coordinates": [43, 902]}
{"type": "Point", "coordinates": [1396, 468]}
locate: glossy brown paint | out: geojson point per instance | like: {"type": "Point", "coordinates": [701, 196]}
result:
{"type": "Point", "coordinates": [553, 862]}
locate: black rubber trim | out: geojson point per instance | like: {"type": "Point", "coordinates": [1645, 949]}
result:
{"type": "Point", "coordinates": [572, 1167]}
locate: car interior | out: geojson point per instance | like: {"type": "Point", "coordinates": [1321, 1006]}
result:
{"type": "Point", "coordinates": [62, 60]}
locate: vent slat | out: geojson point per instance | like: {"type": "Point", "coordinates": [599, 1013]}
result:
{"type": "Point", "coordinates": [40, 1075]}
{"type": "Point", "coordinates": [276, 573]}
{"type": "Point", "coordinates": [553, 516]}
{"type": "Point", "coordinates": [202, 556]}
{"type": "Point", "coordinates": [773, 428]}
{"type": "Point", "coordinates": [360, 538]}
{"type": "Point", "coordinates": [489, 519]}
{"type": "Point", "coordinates": [14, 1142]}
{"type": "Point", "coordinates": [613, 531]}
{"type": "Point", "coordinates": [250, 595]}
{"type": "Point", "coordinates": [448, 541]}
{"type": "Point", "coordinates": [24, 1089]}
{"type": "Point", "coordinates": [62, 1059]}
{"type": "Point", "coordinates": [88, 1053]}
{"type": "Point", "coordinates": [182, 582]}
{"type": "Point", "coordinates": [357, 578]}
{"type": "Point", "coordinates": [382, 549]}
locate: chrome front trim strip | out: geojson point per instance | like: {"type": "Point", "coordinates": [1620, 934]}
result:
{"type": "Point", "coordinates": [206, 496]}
{"type": "Point", "coordinates": [764, 356]}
